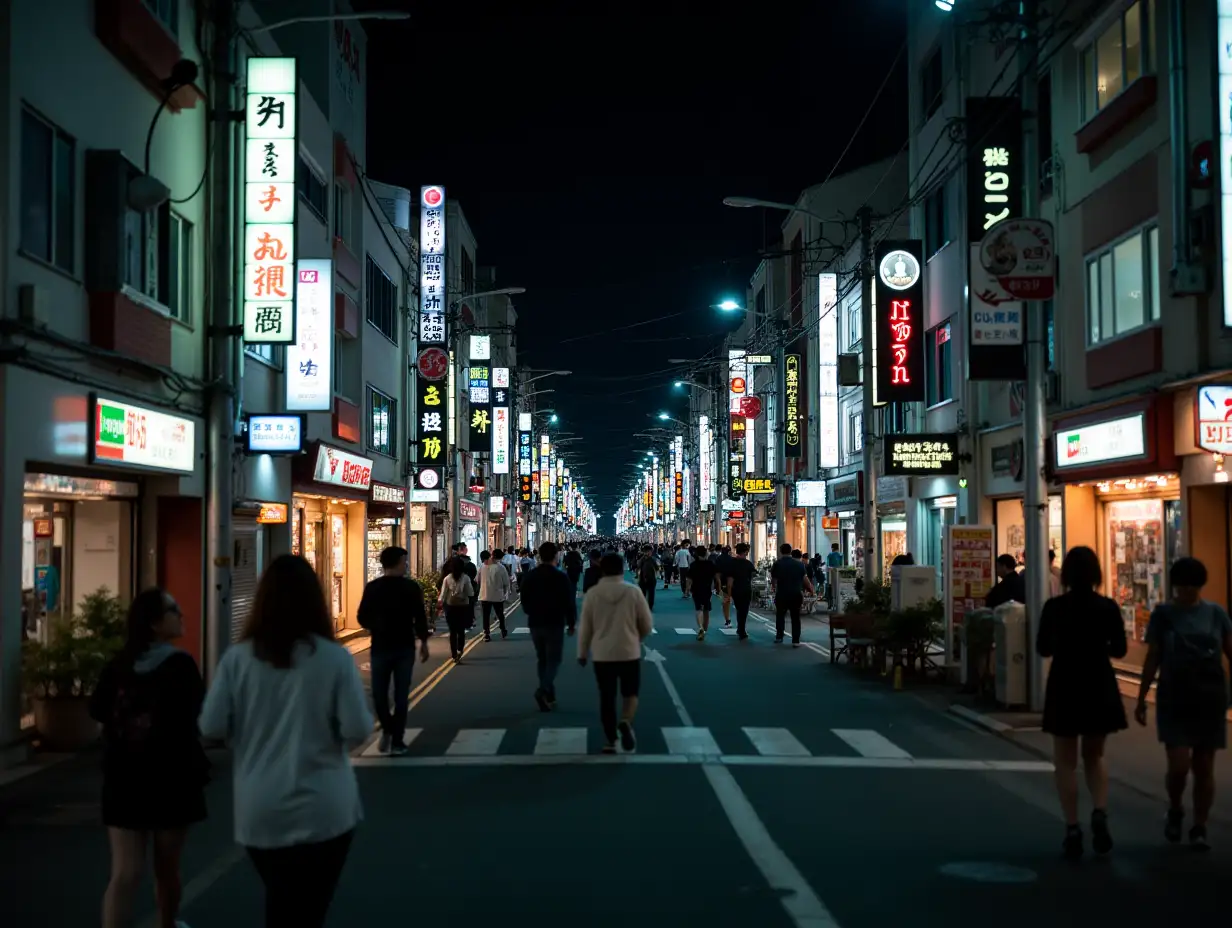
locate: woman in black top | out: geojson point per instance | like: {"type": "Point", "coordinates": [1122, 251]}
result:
{"type": "Point", "coordinates": [154, 769]}
{"type": "Point", "coordinates": [1081, 630]}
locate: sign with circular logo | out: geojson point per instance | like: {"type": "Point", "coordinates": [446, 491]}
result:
{"type": "Point", "coordinates": [428, 478]}
{"type": "Point", "coordinates": [899, 270]}
{"type": "Point", "coordinates": [433, 196]}
{"type": "Point", "coordinates": [737, 385]}
{"type": "Point", "coordinates": [433, 364]}
{"type": "Point", "coordinates": [750, 407]}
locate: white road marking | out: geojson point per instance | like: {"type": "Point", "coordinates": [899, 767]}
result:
{"type": "Point", "coordinates": [868, 743]}
{"type": "Point", "coordinates": [374, 749]}
{"type": "Point", "coordinates": [687, 631]}
{"type": "Point", "coordinates": [521, 630]}
{"type": "Point", "coordinates": [725, 760]}
{"type": "Point", "coordinates": [729, 632]}
{"type": "Point", "coordinates": [776, 742]}
{"type": "Point", "coordinates": [690, 740]}
{"type": "Point", "coordinates": [561, 741]}
{"type": "Point", "coordinates": [476, 741]}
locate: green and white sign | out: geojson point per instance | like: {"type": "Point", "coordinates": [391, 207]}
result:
{"type": "Point", "coordinates": [135, 436]}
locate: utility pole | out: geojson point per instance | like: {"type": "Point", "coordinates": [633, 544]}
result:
{"type": "Point", "coordinates": [1035, 504]}
{"type": "Point", "coordinates": [865, 217]}
{"type": "Point", "coordinates": [220, 427]}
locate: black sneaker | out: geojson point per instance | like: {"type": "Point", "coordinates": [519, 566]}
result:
{"type": "Point", "coordinates": [608, 749]}
{"type": "Point", "coordinates": [1101, 838]}
{"type": "Point", "coordinates": [541, 699]}
{"type": "Point", "coordinates": [1173, 825]}
{"type": "Point", "coordinates": [1197, 838]}
{"type": "Point", "coordinates": [778, 639]}
{"type": "Point", "coordinates": [504, 633]}
{"type": "Point", "coordinates": [1072, 846]}
{"type": "Point", "coordinates": [628, 740]}
{"type": "Point", "coordinates": [487, 636]}
{"type": "Point", "coordinates": [397, 749]}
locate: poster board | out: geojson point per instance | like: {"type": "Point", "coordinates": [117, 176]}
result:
{"type": "Point", "coordinates": [969, 554]}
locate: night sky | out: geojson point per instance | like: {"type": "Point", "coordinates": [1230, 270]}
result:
{"type": "Point", "coordinates": [591, 151]}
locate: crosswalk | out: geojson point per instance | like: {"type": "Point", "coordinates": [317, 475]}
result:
{"type": "Point", "coordinates": [748, 746]}
{"type": "Point", "coordinates": [689, 632]}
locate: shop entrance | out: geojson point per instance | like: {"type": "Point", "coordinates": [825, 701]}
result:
{"type": "Point", "coordinates": [1210, 515]}
{"type": "Point", "coordinates": [319, 532]}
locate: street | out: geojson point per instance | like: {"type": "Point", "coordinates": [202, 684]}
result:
{"type": "Point", "coordinates": [769, 788]}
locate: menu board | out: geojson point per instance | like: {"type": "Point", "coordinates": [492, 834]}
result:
{"type": "Point", "coordinates": [969, 569]}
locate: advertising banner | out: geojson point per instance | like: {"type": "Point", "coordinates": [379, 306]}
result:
{"type": "Point", "coordinates": [899, 289]}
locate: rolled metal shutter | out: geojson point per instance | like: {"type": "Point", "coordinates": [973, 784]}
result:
{"type": "Point", "coordinates": [244, 571]}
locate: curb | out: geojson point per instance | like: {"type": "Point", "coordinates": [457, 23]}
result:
{"type": "Point", "coordinates": [979, 718]}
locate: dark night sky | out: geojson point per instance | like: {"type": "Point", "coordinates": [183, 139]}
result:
{"type": "Point", "coordinates": [591, 151]}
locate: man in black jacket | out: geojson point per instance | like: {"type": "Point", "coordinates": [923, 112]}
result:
{"type": "Point", "coordinates": [593, 573]}
{"type": "Point", "coordinates": [1011, 585]}
{"type": "Point", "coordinates": [392, 609]}
{"type": "Point", "coordinates": [573, 565]}
{"type": "Point", "coordinates": [549, 599]}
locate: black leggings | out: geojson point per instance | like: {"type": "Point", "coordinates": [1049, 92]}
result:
{"type": "Point", "coordinates": [300, 880]}
{"type": "Point", "coordinates": [648, 590]}
{"type": "Point", "coordinates": [459, 619]}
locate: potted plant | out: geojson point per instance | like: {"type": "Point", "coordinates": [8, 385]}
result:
{"type": "Point", "coordinates": [912, 631]}
{"type": "Point", "coordinates": [431, 585]}
{"type": "Point", "coordinates": [60, 675]}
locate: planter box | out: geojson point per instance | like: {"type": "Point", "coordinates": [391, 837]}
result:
{"type": "Point", "coordinates": [65, 724]}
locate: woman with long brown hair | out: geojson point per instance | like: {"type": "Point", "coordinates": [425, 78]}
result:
{"type": "Point", "coordinates": [289, 700]}
{"type": "Point", "coordinates": [154, 769]}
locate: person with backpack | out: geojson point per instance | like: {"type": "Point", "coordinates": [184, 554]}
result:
{"type": "Point", "coordinates": [648, 574]}
{"type": "Point", "coordinates": [154, 768]}
{"type": "Point", "coordinates": [1187, 640]}
{"type": "Point", "coordinates": [289, 701]}
{"type": "Point", "coordinates": [457, 592]}
{"type": "Point", "coordinates": [1083, 633]}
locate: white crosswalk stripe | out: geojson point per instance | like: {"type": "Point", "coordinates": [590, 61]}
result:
{"type": "Point", "coordinates": [776, 742]}
{"type": "Point", "coordinates": [729, 632]}
{"type": "Point", "coordinates": [561, 741]}
{"type": "Point", "coordinates": [686, 631]}
{"type": "Point", "coordinates": [473, 741]}
{"type": "Point", "coordinates": [868, 743]}
{"type": "Point", "coordinates": [691, 741]}
{"type": "Point", "coordinates": [521, 630]}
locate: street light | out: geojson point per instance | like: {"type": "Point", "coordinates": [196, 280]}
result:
{"type": "Point", "coordinates": [690, 383]}
{"type": "Point", "coordinates": [547, 374]}
{"type": "Point", "coordinates": [745, 202]}
{"type": "Point", "coordinates": [728, 306]}
{"type": "Point", "coordinates": [334, 18]}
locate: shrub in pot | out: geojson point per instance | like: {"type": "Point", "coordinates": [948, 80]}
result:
{"type": "Point", "coordinates": [59, 675]}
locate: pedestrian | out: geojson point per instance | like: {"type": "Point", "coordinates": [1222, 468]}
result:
{"type": "Point", "coordinates": [1082, 632]}
{"type": "Point", "coordinates": [154, 769]}
{"type": "Point", "coordinates": [493, 592]}
{"type": "Point", "coordinates": [1054, 574]}
{"type": "Point", "coordinates": [667, 562]}
{"type": "Point", "coordinates": [525, 566]}
{"type": "Point", "coordinates": [789, 582]}
{"type": "Point", "coordinates": [648, 575]}
{"type": "Point", "coordinates": [289, 701]}
{"type": "Point", "coordinates": [722, 567]}
{"type": "Point", "coordinates": [705, 581]}
{"type": "Point", "coordinates": [511, 564]}
{"type": "Point", "coordinates": [456, 595]}
{"type": "Point", "coordinates": [549, 600]}
{"type": "Point", "coordinates": [593, 572]}
{"type": "Point", "coordinates": [684, 559]}
{"type": "Point", "coordinates": [1011, 584]}
{"type": "Point", "coordinates": [615, 621]}
{"type": "Point", "coordinates": [392, 609]}
{"type": "Point", "coordinates": [1187, 640]}
{"type": "Point", "coordinates": [739, 579]}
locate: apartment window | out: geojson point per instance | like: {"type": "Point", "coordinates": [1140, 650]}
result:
{"type": "Point", "coordinates": [176, 281]}
{"type": "Point", "coordinates": [312, 189]}
{"type": "Point", "coordinates": [936, 227]}
{"type": "Point", "coordinates": [168, 13]}
{"type": "Point", "coordinates": [938, 353]}
{"type": "Point", "coordinates": [853, 323]}
{"type": "Point", "coordinates": [382, 295]}
{"type": "Point", "coordinates": [48, 171]}
{"type": "Point", "coordinates": [1118, 56]}
{"type": "Point", "coordinates": [896, 419]}
{"type": "Point", "coordinates": [855, 432]}
{"type": "Point", "coordinates": [931, 88]}
{"type": "Point", "coordinates": [342, 213]}
{"type": "Point", "coordinates": [270, 354]}
{"type": "Point", "coordinates": [382, 427]}
{"type": "Point", "coordinates": [1123, 286]}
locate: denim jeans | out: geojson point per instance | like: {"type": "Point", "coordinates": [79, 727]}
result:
{"type": "Point", "coordinates": [549, 650]}
{"type": "Point", "coordinates": [397, 665]}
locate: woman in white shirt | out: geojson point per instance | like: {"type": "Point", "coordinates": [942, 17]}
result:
{"type": "Point", "coordinates": [456, 594]}
{"type": "Point", "coordinates": [289, 701]}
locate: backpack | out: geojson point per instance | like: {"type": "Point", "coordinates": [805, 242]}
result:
{"type": "Point", "coordinates": [130, 725]}
{"type": "Point", "coordinates": [1196, 679]}
{"type": "Point", "coordinates": [646, 572]}
{"type": "Point", "coordinates": [457, 595]}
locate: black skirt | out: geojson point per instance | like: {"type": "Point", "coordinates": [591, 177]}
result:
{"type": "Point", "coordinates": [158, 808]}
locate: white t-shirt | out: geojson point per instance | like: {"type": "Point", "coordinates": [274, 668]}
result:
{"type": "Point", "coordinates": [291, 732]}
{"type": "Point", "coordinates": [683, 558]}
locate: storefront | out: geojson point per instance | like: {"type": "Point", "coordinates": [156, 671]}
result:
{"type": "Point", "coordinates": [386, 513]}
{"type": "Point", "coordinates": [473, 520]}
{"type": "Point", "coordinates": [1002, 481]}
{"type": "Point", "coordinates": [1205, 488]}
{"type": "Point", "coordinates": [1123, 499]}
{"type": "Point", "coordinates": [329, 525]}
{"type": "Point", "coordinates": [496, 522]}
{"type": "Point", "coordinates": [892, 496]}
{"type": "Point", "coordinates": [257, 533]}
{"type": "Point", "coordinates": [844, 497]}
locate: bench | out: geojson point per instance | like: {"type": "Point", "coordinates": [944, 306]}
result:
{"type": "Point", "coordinates": [856, 634]}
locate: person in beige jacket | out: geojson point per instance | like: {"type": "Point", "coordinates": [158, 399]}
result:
{"type": "Point", "coordinates": [615, 621]}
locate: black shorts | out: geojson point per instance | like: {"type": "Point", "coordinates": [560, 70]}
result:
{"type": "Point", "coordinates": [701, 602]}
{"type": "Point", "coordinates": [684, 572]}
{"type": "Point", "coordinates": [628, 674]}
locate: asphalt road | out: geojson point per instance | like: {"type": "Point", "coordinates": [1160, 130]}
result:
{"type": "Point", "coordinates": [770, 788]}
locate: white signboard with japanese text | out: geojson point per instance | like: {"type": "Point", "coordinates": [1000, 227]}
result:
{"type": "Point", "coordinates": [996, 314]}
{"type": "Point", "coordinates": [1223, 46]}
{"type": "Point", "coordinates": [1213, 418]}
{"type": "Point", "coordinates": [137, 436]}
{"type": "Point", "coordinates": [270, 159]}
{"type": "Point", "coordinates": [705, 463]}
{"type": "Point", "coordinates": [433, 295]}
{"type": "Point", "coordinates": [343, 469]}
{"type": "Point", "coordinates": [310, 359]}
{"type": "Point", "coordinates": [1099, 442]}
{"type": "Point", "coordinates": [828, 428]}
{"type": "Point", "coordinates": [481, 347]}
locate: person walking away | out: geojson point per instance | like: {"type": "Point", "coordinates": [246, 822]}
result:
{"type": "Point", "coordinates": [667, 563]}
{"type": "Point", "coordinates": [1187, 640]}
{"type": "Point", "coordinates": [288, 700]}
{"type": "Point", "coordinates": [593, 572]}
{"type": "Point", "coordinates": [1011, 584]}
{"type": "Point", "coordinates": [682, 562]}
{"type": "Point", "coordinates": [574, 567]}
{"type": "Point", "coordinates": [722, 567]}
{"type": "Point", "coordinates": [456, 596]}
{"type": "Point", "coordinates": [511, 565]}
{"type": "Point", "coordinates": [154, 769]}
{"type": "Point", "coordinates": [833, 559]}
{"type": "Point", "coordinates": [738, 575]}
{"type": "Point", "coordinates": [493, 592]}
{"type": "Point", "coordinates": [788, 580]}
{"type": "Point", "coordinates": [648, 575]}
{"type": "Point", "coordinates": [392, 609]}
{"type": "Point", "coordinates": [525, 566]}
{"type": "Point", "coordinates": [1083, 633]}
{"type": "Point", "coordinates": [615, 621]}
{"type": "Point", "coordinates": [705, 581]}
{"type": "Point", "coordinates": [549, 599]}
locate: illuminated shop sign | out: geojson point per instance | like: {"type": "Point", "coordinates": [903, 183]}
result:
{"type": "Point", "coordinates": [431, 445]}
{"type": "Point", "coordinates": [310, 358]}
{"type": "Point", "coordinates": [758, 486]}
{"type": "Point", "coordinates": [275, 434]}
{"type": "Point", "coordinates": [388, 493]}
{"type": "Point", "coordinates": [1113, 440]}
{"type": "Point", "coordinates": [810, 493]}
{"type": "Point", "coordinates": [136, 436]}
{"type": "Point", "coordinates": [342, 469]}
{"type": "Point", "coordinates": [921, 455]}
{"type": "Point", "coordinates": [433, 299]}
{"type": "Point", "coordinates": [900, 321]}
{"type": "Point", "coordinates": [827, 414]}
{"type": "Point", "coordinates": [1213, 416]}
{"type": "Point", "coordinates": [791, 411]}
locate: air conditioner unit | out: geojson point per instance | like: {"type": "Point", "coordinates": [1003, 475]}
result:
{"type": "Point", "coordinates": [849, 370]}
